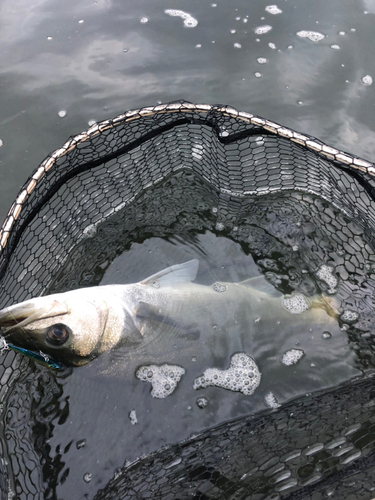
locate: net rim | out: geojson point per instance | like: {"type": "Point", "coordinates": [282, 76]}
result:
{"type": "Point", "coordinates": [309, 142]}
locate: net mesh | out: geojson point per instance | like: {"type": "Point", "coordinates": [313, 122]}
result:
{"type": "Point", "coordinates": [104, 175]}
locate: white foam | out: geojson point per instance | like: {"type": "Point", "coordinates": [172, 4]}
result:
{"type": "Point", "coordinates": [325, 273]}
{"type": "Point", "coordinates": [242, 375]}
{"type": "Point", "coordinates": [189, 21]}
{"type": "Point", "coordinates": [62, 113]}
{"type": "Point", "coordinates": [313, 36]}
{"type": "Point", "coordinates": [367, 80]}
{"type": "Point", "coordinates": [260, 30]}
{"type": "Point", "coordinates": [271, 400]}
{"type": "Point", "coordinates": [262, 60]}
{"type": "Point", "coordinates": [349, 316]}
{"type": "Point", "coordinates": [296, 304]}
{"type": "Point", "coordinates": [133, 417]}
{"type": "Point", "coordinates": [163, 378]}
{"type": "Point", "coordinates": [292, 357]}
{"type": "Point", "coordinates": [202, 402]}
{"type": "Point", "coordinates": [273, 9]}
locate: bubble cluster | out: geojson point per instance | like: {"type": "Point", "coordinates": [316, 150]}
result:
{"type": "Point", "coordinates": [271, 400]}
{"type": "Point", "coordinates": [242, 375]}
{"type": "Point", "coordinates": [273, 9]}
{"type": "Point", "coordinates": [133, 417]}
{"type": "Point", "coordinates": [325, 273]}
{"type": "Point", "coordinates": [367, 80]}
{"type": "Point", "coordinates": [349, 316]}
{"type": "Point", "coordinates": [189, 21]}
{"type": "Point", "coordinates": [296, 304]}
{"type": "Point", "coordinates": [218, 287]}
{"type": "Point", "coordinates": [87, 477]}
{"type": "Point", "coordinates": [292, 356]}
{"type": "Point", "coordinates": [313, 36]}
{"type": "Point", "coordinates": [163, 379]}
{"type": "Point", "coordinates": [202, 402]}
{"type": "Point", "coordinates": [262, 60]}
{"type": "Point", "coordinates": [260, 30]}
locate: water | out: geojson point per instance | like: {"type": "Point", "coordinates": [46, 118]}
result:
{"type": "Point", "coordinates": [52, 62]}
{"type": "Point", "coordinates": [116, 416]}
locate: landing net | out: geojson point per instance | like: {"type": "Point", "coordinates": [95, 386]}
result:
{"type": "Point", "coordinates": [101, 173]}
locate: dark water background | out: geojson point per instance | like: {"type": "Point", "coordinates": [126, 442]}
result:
{"type": "Point", "coordinates": [71, 56]}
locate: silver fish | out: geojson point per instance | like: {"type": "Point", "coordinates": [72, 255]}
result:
{"type": "Point", "coordinates": [150, 317]}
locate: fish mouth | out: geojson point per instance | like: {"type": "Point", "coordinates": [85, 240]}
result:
{"type": "Point", "coordinates": [18, 316]}
{"type": "Point", "coordinates": [14, 319]}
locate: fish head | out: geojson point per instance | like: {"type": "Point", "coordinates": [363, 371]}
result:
{"type": "Point", "coordinates": [68, 327]}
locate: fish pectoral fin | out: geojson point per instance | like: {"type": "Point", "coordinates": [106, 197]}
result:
{"type": "Point", "coordinates": [174, 275]}
{"type": "Point", "coordinates": [260, 284]}
{"type": "Point", "coordinates": [149, 312]}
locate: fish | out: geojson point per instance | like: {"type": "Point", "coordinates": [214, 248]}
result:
{"type": "Point", "coordinates": [149, 317]}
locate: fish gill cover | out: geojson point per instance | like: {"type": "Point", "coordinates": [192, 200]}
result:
{"type": "Point", "coordinates": [301, 210]}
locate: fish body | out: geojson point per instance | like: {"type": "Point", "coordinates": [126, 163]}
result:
{"type": "Point", "coordinates": [151, 317]}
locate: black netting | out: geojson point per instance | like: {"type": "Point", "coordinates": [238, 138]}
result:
{"type": "Point", "coordinates": [96, 189]}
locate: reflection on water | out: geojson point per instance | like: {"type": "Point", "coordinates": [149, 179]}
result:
{"type": "Point", "coordinates": [87, 422]}
{"type": "Point", "coordinates": [94, 59]}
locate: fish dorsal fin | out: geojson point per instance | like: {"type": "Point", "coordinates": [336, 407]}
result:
{"type": "Point", "coordinates": [260, 284]}
{"type": "Point", "coordinates": [174, 275]}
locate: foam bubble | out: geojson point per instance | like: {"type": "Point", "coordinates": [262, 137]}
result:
{"type": "Point", "coordinates": [87, 477]}
{"type": "Point", "coordinates": [237, 45]}
{"type": "Point", "coordinates": [296, 304]}
{"type": "Point", "coordinates": [262, 60]}
{"type": "Point", "coordinates": [335, 47]}
{"type": "Point", "coordinates": [272, 46]}
{"type": "Point", "coordinates": [144, 20]}
{"type": "Point", "coordinates": [242, 375]}
{"type": "Point", "coordinates": [260, 30]}
{"type": "Point", "coordinates": [325, 273]}
{"type": "Point", "coordinates": [273, 9]}
{"type": "Point", "coordinates": [163, 378]}
{"type": "Point", "coordinates": [313, 36]}
{"type": "Point", "coordinates": [62, 113]}
{"type": "Point", "coordinates": [219, 226]}
{"type": "Point", "coordinates": [133, 417]}
{"type": "Point", "coordinates": [218, 287]}
{"type": "Point", "coordinates": [271, 400]}
{"type": "Point", "coordinates": [367, 80]}
{"type": "Point", "coordinates": [327, 335]}
{"type": "Point", "coordinates": [292, 356]}
{"type": "Point", "coordinates": [349, 316]}
{"type": "Point", "coordinates": [202, 402]}
{"type": "Point", "coordinates": [189, 21]}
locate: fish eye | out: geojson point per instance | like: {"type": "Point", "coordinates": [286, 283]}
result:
{"type": "Point", "coordinates": [58, 334]}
